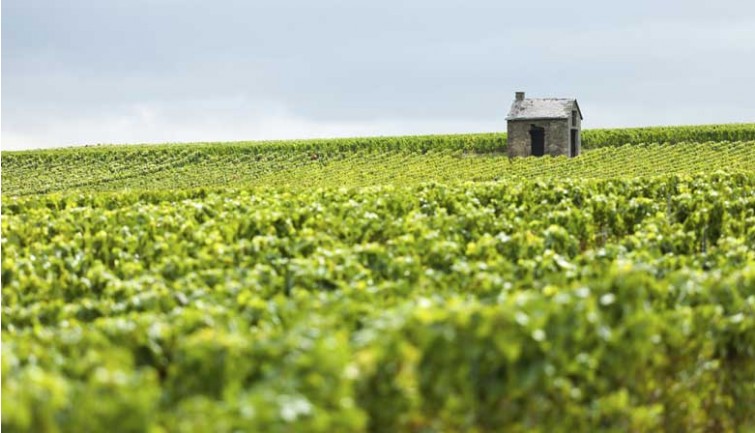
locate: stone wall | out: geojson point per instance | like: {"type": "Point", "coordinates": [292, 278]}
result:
{"type": "Point", "coordinates": [578, 127]}
{"type": "Point", "coordinates": [556, 136]}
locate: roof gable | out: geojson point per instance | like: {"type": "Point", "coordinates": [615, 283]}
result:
{"type": "Point", "coordinates": [543, 108]}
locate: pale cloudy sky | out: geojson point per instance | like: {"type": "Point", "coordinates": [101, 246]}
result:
{"type": "Point", "coordinates": [127, 71]}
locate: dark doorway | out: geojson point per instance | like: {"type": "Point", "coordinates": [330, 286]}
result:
{"type": "Point", "coordinates": [537, 138]}
{"type": "Point", "coordinates": [573, 143]}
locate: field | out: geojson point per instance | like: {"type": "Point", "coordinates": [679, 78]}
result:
{"type": "Point", "coordinates": [418, 284]}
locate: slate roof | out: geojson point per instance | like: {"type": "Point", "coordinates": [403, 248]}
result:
{"type": "Point", "coordinates": [543, 108]}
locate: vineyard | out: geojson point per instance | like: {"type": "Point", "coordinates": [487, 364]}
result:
{"type": "Point", "coordinates": [372, 161]}
{"type": "Point", "coordinates": [418, 284]}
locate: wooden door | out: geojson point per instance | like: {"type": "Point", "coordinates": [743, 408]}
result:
{"type": "Point", "coordinates": [537, 140]}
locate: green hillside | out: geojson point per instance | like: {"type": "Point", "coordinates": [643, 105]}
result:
{"type": "Point", "coordinates": [372, 161]}
{"type": "Point", "coordinates": [405, 284]}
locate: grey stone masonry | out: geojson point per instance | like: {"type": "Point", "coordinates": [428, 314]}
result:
{"type": "Point", "coordinates": [552, 126]}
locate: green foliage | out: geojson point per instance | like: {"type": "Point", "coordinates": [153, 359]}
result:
{"type": "Point", "coordinates": [596, 138]}
{"type": "Point", "coordinates": [624, 303]}
{"type": "Point", "coordinates": [373, 161]}
{"type": "Point", "coordinates": [422, 284]}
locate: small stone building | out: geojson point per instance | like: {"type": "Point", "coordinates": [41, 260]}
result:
{"type": "Point", "coordinates": [544, 126]}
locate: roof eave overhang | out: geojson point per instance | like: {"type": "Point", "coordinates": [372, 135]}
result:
{"type": "Point", "coordinates": [578, 110]}
{"type": "Point", "coordinates": [538, 118]}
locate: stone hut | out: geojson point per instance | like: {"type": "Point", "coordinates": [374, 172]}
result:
{"type": "Point", "coordinates": [544, 126]}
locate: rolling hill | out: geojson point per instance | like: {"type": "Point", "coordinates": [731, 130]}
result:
{"type": "Point", "coordinates": [414, 284]}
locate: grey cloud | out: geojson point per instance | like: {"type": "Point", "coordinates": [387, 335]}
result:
{"type": "Point", "coordinates": [361, 66]}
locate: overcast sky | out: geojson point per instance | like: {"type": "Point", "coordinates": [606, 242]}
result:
{"type": "Point", "coordinates": [128, 71]}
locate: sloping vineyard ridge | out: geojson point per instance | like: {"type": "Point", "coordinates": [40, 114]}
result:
{"type": "Point", "coordinates": [417, 284]}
